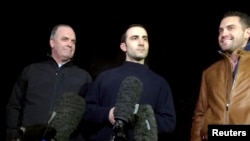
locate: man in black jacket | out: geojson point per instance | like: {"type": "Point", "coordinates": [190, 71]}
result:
{"type": "Point", "coordinates": [41, 85]}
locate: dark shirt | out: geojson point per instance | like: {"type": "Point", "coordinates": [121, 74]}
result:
{"type": "Point", "coordinates": [103, 93]}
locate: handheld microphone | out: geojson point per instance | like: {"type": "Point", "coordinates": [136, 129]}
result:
{"type": "Point", "coordinates": [69, 111]}
{"type": "Point", "coordinates": [129, 95]}
{"type": "Point", "coordinates": [145, 127]}
{"type": "Point", "coordinates": [36, 133]}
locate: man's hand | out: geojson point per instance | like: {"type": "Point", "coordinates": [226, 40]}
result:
{"type": "Point", "coordinates": [111, 116]}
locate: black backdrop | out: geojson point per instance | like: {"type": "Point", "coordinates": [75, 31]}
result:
{"type": "Point", "coordinates": [183, 42]}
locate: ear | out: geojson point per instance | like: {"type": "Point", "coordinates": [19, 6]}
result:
{"type": "Point", "coordinates": [51, 42]}
{"type": "Point", "coordinates": [248, 32]}
{"type": "Point", "coordinates": [123, 47]}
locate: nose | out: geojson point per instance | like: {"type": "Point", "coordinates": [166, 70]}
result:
{"type": "Point", "coordinates": [141, 41]}
{"type": "Point", "coordinates": [70, 44]}
{"type": "Point", "coordinates": [224, 33]}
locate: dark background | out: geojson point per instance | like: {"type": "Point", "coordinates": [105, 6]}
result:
{"type": "Point", "coordinates": [182, 36]}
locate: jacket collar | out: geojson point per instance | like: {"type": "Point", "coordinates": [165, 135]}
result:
{"type": "Point", "coordinates": [247, 48]}
{"type": "Point", "coordinates": [54, 63]}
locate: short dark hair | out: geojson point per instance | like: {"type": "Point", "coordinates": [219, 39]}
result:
{"type": "Point", "coordinates": [124, 35]}
{"type": "Point", "coordinates": [244, 18]}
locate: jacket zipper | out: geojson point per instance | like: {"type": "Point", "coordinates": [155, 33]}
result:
{"type": "Point", "coordinates": [230, 94]}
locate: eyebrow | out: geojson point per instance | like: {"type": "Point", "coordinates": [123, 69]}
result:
{"type": "Point", "coordinates": [65, 37]}
{"type": "Point", "coordinates": [231, 25]}
{"type": "Point", "coordinates": [144, 36]}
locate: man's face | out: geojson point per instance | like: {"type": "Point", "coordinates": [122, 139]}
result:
{"type": "Point", "coordinates": [232, 34]}
{"type": "Point", "coordinates": [63, 44]}
{"type": "Point", "coordinates": [136, 45]}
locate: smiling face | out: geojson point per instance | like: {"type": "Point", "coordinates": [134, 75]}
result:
{"type": "Point", "coordinates": [136, 44]}
{"type": "Point", "coordinates": [63, 44]}
{"type": "Point", "coordinates": [232, 34]}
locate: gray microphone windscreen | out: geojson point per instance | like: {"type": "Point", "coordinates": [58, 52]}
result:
{"type": "Point", "coordinates": [128, 96]}
{"type": "Point", "coordinates": [69, 111]}
{"type": "Point", "coordinates": [145, 127]}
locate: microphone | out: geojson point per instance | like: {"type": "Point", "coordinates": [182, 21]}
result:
{"type": "Point", "coordinates": [69, 111]}
{"type": "Point", "coordinates": [145, 127]}
{"type": "Point", "coordinates": [128, 97]}
{"type": "Point", "coordinates": [36, 132]}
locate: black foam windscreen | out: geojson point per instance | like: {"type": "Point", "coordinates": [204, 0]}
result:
{"type": "Point", "coordinates": [145, 126]}
{"type": "Point", "coordinates": [69, 111]}
{"type": "Point", "coordinates": [128, 96]}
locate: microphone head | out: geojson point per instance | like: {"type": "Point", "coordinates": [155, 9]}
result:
{"type": "Point", "coordinates": [128, 96]}
{"type": "Point", "coordinates": [69, 111]}
{"type": "Point", "coordinates": [145, 127]}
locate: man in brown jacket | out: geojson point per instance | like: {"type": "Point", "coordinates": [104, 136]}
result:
{"type": "Point", "coordinates": [225, 87]}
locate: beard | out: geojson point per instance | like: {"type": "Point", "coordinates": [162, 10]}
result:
{"type": "Point", "coordinates": [233, 44]}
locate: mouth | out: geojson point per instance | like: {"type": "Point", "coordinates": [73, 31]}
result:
{"type": "Point", "coordinates": [225, 41]}
{"type": "Point", "coordinates": [141, 49]}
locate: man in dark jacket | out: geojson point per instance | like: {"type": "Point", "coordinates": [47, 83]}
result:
{"type": "Point", "coordinates": [40, 85]}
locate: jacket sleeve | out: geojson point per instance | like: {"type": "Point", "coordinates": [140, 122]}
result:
{"type": "Point", "coordinates": [94, 112]}
{"type": "Point", "coordinates": [199, 112]}
{"type": "Point", "coordinates": [14, 107]}
{"type": "Point", "coordinates": [165, 111]}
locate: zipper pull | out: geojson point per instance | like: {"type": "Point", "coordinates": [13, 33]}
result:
{"type": "Point", "coordinates": [227, 107]}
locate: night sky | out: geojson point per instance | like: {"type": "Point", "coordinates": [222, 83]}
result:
{"type": "Point", "coordinates": [183, 42]}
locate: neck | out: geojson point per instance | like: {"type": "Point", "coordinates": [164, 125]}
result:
{"type": "Point", "coordinates": [233, 58]}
